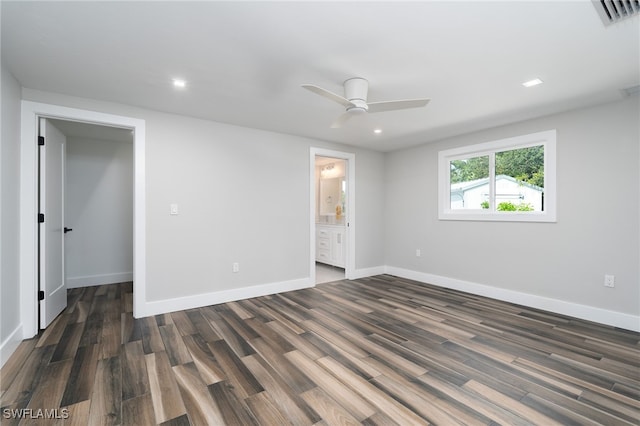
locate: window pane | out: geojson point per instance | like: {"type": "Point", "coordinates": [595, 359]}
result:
{"type": "Point", "coordinates": [469, 180]}
{"type": "Point", "coordinates": [520, 179]}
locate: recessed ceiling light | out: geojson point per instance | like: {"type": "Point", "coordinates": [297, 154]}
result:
{"type": "Point", "coordinates": [179, 83]}
{"type": "Point", "coordinates": [377, 131]}
{"type": "Point", "coordinates": [532, 83]}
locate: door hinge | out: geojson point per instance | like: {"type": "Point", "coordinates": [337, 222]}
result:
{"type": "Point", "coordinates": [40, 217]}
{"type": "Point", "coordinates": [41, 295]}
{"type": "Point", "coordinates": [41, 140]}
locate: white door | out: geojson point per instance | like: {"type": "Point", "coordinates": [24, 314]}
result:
{"type": "Point", "coordinates": [51, 231]}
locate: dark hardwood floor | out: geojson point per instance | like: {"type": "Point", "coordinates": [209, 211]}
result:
{"type": "Point", "coordinates": [373, 351]}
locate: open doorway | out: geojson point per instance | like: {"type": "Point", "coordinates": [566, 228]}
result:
{"type": "Point", "coordinates": [331, 197]}
{"type": "Point", "coordinates": [332, 248]}
{"type": "Point", "coordinates": [91, 241]}
{"type": "Point", "coordinates": [31, 114]}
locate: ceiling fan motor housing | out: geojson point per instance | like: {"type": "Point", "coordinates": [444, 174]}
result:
{"type": "Point", "coordinates": [355, 90]}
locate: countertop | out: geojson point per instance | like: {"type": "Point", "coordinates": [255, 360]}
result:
{"type": "Point", "coordinates": [337, 225]}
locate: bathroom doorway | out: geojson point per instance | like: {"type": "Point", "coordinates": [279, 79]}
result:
{"type": "Point", "coordinates": [332, 218]}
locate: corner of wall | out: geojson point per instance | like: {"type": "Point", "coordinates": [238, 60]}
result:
{"type": "Point", "coordinates": [10, 278]}
{"type": "Point", "coordinates": [101, 279]}
{"type": "Point", "coordinates": [367, 272]}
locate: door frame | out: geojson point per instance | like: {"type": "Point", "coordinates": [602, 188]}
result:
{"type": "Point", "coordinates": [350, 160]}
{"type": "Point", "coordinates": [31, 112]}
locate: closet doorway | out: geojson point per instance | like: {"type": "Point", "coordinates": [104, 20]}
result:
{"type": "Point", "coordinates": [31, 114]}
{"type": "Point", "coordinates": [93, 236]}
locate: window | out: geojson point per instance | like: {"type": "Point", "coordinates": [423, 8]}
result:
{"type": "Point", "coordinates": [506, 180]}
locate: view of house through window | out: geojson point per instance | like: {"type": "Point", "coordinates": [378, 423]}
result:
{"type": "Point", "coordinates": [520, 179]}
{"type": "Point", "coordinates": [469, 182]}
{"type": "Point", "coordinates": [518, 183]}
{"type": "Point", "coordinates": [495, 180]}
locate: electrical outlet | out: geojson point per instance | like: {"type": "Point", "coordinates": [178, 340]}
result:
{"type": "Point", "coordinates": [418, 253]}
{"type": "Point", "coordinates": [173, 209]}
{"type": "Point", "coordinates": [609, 281]}
{"type": "Point", "coordinates": [236, 267]}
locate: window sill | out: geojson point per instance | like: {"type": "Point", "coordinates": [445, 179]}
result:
{"type": "Point", "coordinates": [498, 216]}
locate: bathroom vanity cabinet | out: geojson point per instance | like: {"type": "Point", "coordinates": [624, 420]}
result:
{"type": "Point", "coordinates": [330, 247]}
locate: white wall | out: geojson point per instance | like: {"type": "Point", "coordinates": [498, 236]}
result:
{"type": "Point", "coordinates": [597, 231]}
{"type": "Point", "coordinates": [9, 215]}
{"type": "Point", "coordinates": [221, 177]}
{"type": "Point", "coordinates": [99, 209]}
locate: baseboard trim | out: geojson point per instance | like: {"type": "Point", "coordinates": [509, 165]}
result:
{"type": "Point", "coordinates": [366, 272]}
{"type": "Point", "coordinates": [101, 279]}
{"type": "Point", "coordinates": [10, 344]}
{"type": "Point", "coordinates": [224, 296]}
{"type": "Point", "coordinates": [589, 313]}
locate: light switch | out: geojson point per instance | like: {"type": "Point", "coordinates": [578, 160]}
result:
{"type": "Point", "coordinates": [173, 209]}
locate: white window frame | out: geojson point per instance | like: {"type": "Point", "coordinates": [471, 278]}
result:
{"type": "Point", "coordinates": [546, 138]}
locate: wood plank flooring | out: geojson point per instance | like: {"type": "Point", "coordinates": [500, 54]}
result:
{"type": "Point", "coordinates": [374, 351]}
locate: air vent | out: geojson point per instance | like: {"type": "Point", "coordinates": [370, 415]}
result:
{"type": "Point", "coordinates": [612, 11]}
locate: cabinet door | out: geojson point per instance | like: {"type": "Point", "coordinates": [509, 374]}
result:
{"type": "Point", "coordinates": [337, 247]}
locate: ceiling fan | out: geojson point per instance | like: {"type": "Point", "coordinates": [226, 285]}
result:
{"type": "Point", "coordinates": [355, 100]}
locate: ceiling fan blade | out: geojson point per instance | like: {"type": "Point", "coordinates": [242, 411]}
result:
{"type": "Point", "coordinates": [394, 105]}
{"type": "Point", "coordinates": [341, 120]}
{"type": "Point", "coordinates": [327, 94]}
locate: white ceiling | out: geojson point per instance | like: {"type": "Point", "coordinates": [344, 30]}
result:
{"type": "Point", "coordinates": [244, 62]}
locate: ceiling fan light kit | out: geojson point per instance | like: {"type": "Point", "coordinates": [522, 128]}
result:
{"type": "Point", "coordinates": [355, 100]}
{"type": "Point", "coordinates": [357, 110]}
